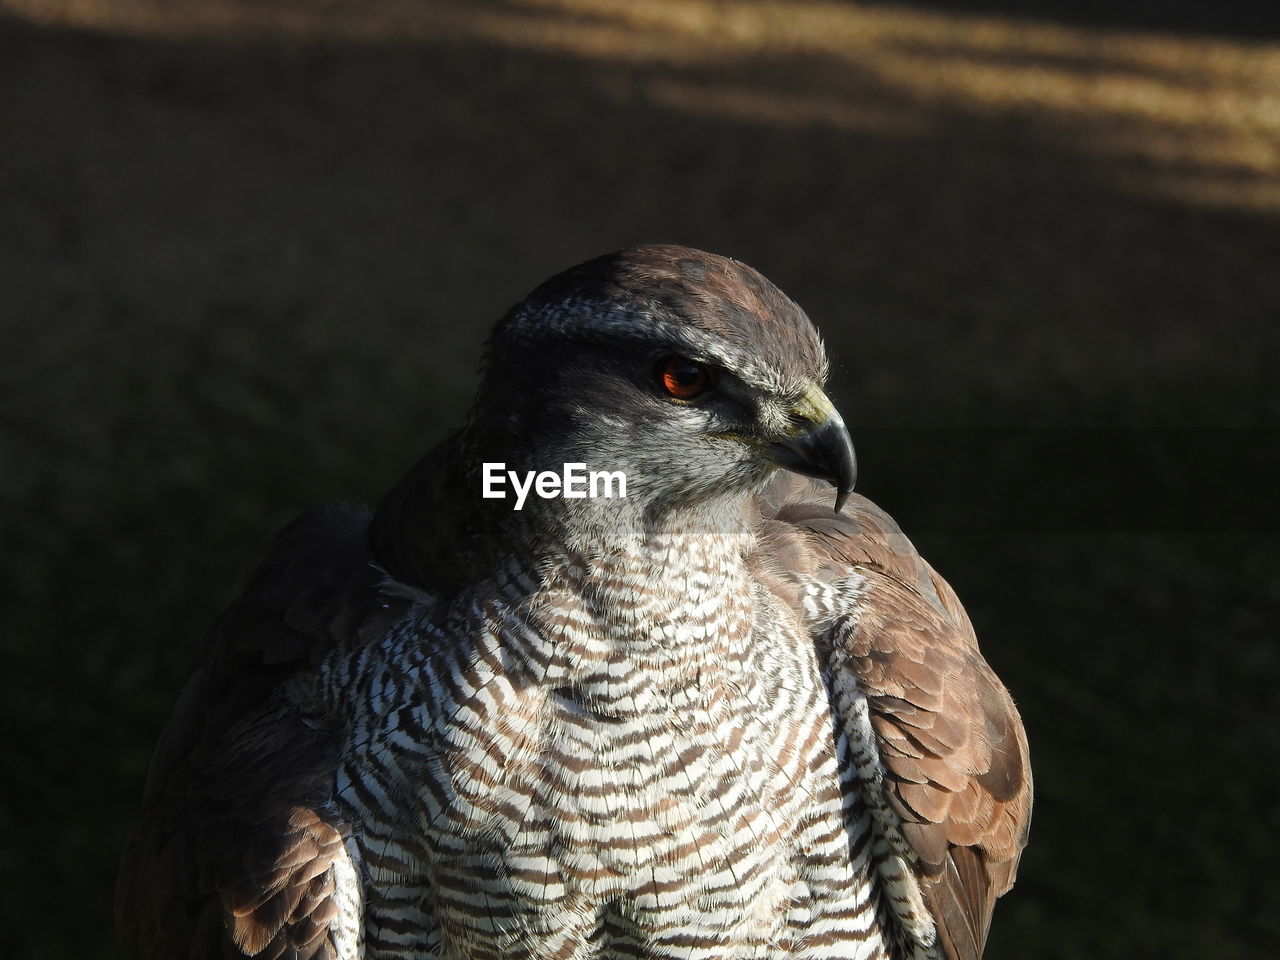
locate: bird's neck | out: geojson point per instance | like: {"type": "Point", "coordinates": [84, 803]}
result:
{"type": "Point", "coordinates": [635, 608]}
{"type": "Point", "coordinates": [685, 563]}
{"type": "Point", "coordinates": [649, 621]}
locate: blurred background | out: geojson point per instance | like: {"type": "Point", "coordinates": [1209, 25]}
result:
{"type": "Point", "coordinates": [249, 251]}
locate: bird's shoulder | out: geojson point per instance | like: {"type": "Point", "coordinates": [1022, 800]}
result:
{"type": "Point", "coordinates": [952, 770]}
{"type": "Point", "coordinates": [239, 849]}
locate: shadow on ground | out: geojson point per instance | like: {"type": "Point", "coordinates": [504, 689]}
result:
{"type": "Point", "coordinates": [1242, 18]}
{"type": "Point", "coordinates": [251, 251]}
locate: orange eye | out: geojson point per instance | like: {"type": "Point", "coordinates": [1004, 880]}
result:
{"type": "Point", "coordinates": [682, 378]}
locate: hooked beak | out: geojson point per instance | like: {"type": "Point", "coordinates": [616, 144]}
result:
{"type": "Point", "coordinates": [820, 446]}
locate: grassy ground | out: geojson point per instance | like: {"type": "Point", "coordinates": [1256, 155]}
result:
{"type": "Point", "coordinates": [250, 251]}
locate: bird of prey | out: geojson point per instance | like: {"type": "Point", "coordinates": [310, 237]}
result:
{"type": "Point", "coordinates": [713, 712]}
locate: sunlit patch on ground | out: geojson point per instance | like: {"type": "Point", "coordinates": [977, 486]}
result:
{"type": "Point", "coordinates": [1192, 118]}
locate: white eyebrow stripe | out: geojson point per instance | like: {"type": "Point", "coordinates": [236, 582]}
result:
{"type": "Point", "coordinates": [593, 319]}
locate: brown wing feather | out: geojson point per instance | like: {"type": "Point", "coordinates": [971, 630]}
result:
{"type": "Point", "coordinates": [957, 769]}
{"type": "Point", "coordinates": [234, 854]}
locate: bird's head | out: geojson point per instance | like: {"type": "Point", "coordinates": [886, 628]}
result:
{"type": "Point", "coordinates": [690, 373]}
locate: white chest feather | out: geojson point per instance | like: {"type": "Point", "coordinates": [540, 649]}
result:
{"type": "Point", "coordinates": [560, 783]}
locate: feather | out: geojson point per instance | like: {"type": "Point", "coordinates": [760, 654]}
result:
{"type": "Point", "coordinates": [229, 851]}
{"type": "Point", "coordinates": [951, 743]}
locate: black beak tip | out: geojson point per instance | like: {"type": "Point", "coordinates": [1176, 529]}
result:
{"type": "Point", "coordinates": [842, 497]}
{"type": "Point", "coordinates": [846, 475]}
